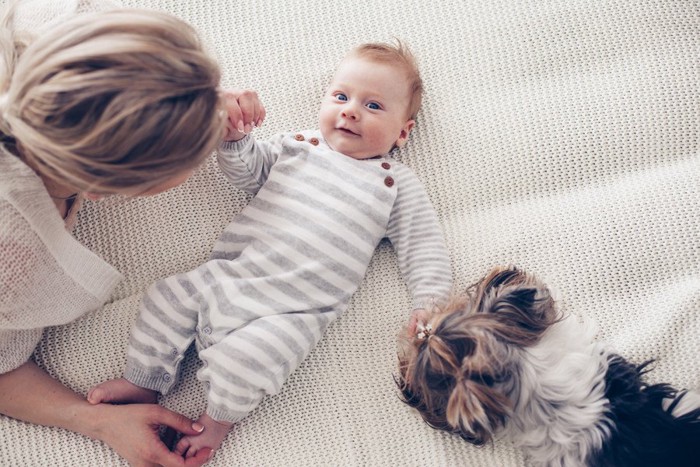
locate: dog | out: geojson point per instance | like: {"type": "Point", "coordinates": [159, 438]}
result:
{"type": "Point", "coordinates": [501, 362]}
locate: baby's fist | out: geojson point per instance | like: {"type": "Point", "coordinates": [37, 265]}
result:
{"type": "Point", "coordinates": [244, 111]}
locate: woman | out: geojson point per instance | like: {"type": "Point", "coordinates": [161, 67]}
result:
{"type": "Point", "coordinates": [113, 102]}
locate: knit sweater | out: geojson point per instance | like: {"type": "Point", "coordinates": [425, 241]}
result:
{"type": "Point", "coordinates": [285, 268]}
{"type": "Point", "coordinates": [47, 277]}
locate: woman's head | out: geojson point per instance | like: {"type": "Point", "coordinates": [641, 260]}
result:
{"type": "Point", "coordinates": [112, 102]}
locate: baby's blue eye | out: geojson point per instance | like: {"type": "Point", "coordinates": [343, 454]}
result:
{"type": "Point", "coordinates": [341, 97]}
{"type": "Point", "coordinates": [373, 106]}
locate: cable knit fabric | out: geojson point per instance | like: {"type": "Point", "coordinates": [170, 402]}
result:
{"type": "Point", "coordinates": [560, 136]}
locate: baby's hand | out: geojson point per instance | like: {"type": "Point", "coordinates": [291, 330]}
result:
{"type": "Point", "coordinates": [244, 112]}
{"type": "Point", "coordinates": [419, 315]}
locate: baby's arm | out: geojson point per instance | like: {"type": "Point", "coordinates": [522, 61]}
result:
{"type": "Point", "coordinates": [415, 233]}
{"type": "Point", "coordinates": [244, 161]}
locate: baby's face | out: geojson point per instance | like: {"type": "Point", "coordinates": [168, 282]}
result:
{"type": "Point", "coordinates": [365, 110]}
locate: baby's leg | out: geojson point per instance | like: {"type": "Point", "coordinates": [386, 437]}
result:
{"type": "Point", "coordinates": [212, 437]}
{"type": "Point", "coordinates": [121, 391]}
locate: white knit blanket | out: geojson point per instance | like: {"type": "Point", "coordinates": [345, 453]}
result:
{"type": "Point", "coordinates": [562, 136]}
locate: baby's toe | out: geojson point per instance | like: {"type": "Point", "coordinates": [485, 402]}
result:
{"type": "Point", "coordinates": [182, 447]}
{"type": "Point", "coordinates": [96, 395]}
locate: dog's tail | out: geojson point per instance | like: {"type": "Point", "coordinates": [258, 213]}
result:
{"type": "Point", "coordinates": [653, 425]}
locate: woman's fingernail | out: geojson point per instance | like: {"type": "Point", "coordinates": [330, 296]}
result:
{"type": "Point", "coordinates": [211, 454]}
{"type": "Point", "coordinates": [198, 427]}
{"type": "Point", "coordinates": [240, 127]}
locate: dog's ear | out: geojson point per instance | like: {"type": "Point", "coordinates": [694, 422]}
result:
{"type": "Point", "coordinates": [521, 305]}
{"type": "Point", "coordinates": [476, 410]}
{"type": "Point", "coordinates": [502, 276]}
{"type": "Point", "coordinates": [478, 405]}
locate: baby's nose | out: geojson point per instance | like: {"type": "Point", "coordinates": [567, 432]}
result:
{"type": "Point", "coordinates": [349, 114]}
{"type": "Point", "coordinates": [349, 111]}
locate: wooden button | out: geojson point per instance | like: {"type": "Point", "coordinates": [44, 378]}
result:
{"type": "Point", "coordinates": [314, 141]}
{"type": "Point", "coordinates": [388, 181]}
{"type": "Point", "coordinates": [299, 137]}
{"type": "Point", "coordinates": [386, 165]}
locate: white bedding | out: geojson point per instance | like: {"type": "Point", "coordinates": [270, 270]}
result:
{"type": "Point", "coordinates": [561, 136]}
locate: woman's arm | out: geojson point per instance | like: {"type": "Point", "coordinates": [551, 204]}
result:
{"type": "Point", "coordinates": [30, 394]}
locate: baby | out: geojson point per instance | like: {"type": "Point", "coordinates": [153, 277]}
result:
{"type": "Point", "coordinates": [290, 261]}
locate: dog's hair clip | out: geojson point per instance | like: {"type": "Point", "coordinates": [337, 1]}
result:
{"type": "Point", "coordinates": [424, 331]}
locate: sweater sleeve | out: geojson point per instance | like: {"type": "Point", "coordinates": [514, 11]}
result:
{"type": "Point", "coordinates": [247, 162]}
{"type": "Point", "coordinates": [46, 277]}
{"type": "Point", "coordinates": [414, 231]}
{"type": "Point", "coordinates": [16, 346]}
{"type": "Point", "coordinates": [22, 276]}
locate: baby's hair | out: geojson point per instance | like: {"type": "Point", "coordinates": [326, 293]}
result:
{"type": "Point", "coordinates": [458, 376]}
{"type": "Point", "coordinates": [396, 54]}
{"type": "Point", "coordinates": [110, 100]}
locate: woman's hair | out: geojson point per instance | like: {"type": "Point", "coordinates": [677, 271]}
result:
{"type": "Point", "coordinates": [399, 55]}
{"type": "Point", "coordinates": [110, 100]}
{"type": "Point", "coordinates": [460, 375]}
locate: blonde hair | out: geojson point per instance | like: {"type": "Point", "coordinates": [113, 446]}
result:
{"type": "Point", "coordinates": [400, 55]}
{"type": "Point", "coordinates": [110, 100]}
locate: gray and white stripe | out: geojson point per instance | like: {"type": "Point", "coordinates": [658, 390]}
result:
{"type": "Point", "coordinates": [285, 268]}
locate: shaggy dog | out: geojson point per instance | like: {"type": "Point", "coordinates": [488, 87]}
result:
{"type": "Point", "coordinates": [501, 362]}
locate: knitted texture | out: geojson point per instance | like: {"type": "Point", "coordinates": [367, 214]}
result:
{"type": "Point", "coordinates": [37, 251]}
{"type": "Point", "coordinates": [560, 136]}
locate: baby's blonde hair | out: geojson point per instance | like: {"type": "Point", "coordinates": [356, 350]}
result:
{"type": "Point", "coordinates": [109, 100]}
{"type": "Point", "coordinates": [399, 55]}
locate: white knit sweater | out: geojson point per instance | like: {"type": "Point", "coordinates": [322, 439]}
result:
{"type": "Point", "coordinates": [47, 278]}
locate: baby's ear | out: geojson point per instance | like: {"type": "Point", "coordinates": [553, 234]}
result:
{"type": "Point", "coordinates": [405, 131]}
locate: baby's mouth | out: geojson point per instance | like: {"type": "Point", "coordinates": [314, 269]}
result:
{"type": "Point", "coordinates": [347, 132]}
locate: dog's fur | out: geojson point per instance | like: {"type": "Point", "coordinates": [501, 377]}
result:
{"type": "Point", "coordinates": [500, 361]}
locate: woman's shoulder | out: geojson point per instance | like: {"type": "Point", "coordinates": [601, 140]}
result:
{"type": "Point", "coordinates": [14, 173]}
{"type": "Point", "coordinates": [24, 201]}
{"type": "Point", "coordinates": [24, 259]}
{"type": "Point", "coordinates": [47, 277]}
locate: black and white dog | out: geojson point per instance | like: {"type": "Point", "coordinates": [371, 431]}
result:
{"type": "Point", "coordinates": [501, 362]}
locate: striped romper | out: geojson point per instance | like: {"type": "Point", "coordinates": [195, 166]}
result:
{"type": "Point", "coordinates": [285, 268]}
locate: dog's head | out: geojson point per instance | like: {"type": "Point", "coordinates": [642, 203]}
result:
{"type": "Point", "coordinates": [459, 369]}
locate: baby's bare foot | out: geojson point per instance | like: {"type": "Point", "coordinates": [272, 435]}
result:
{"type": "Point", "coordinates": [212, 437]}
{"type": "Point", "coordinates": [121, 391]}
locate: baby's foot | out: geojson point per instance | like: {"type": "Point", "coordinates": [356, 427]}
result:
{"type": "Point", "coordinates": [121, 391]}
{"type": "Point", "coordinates": [212, 437]}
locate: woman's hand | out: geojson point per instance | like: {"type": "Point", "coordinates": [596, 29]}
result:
{"type": "Point", "coordinates": [28, 393]}
{"type": "Point", "coordinates": [133, 432]}
{"type": "Point", "coordinates": [244, 112]}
